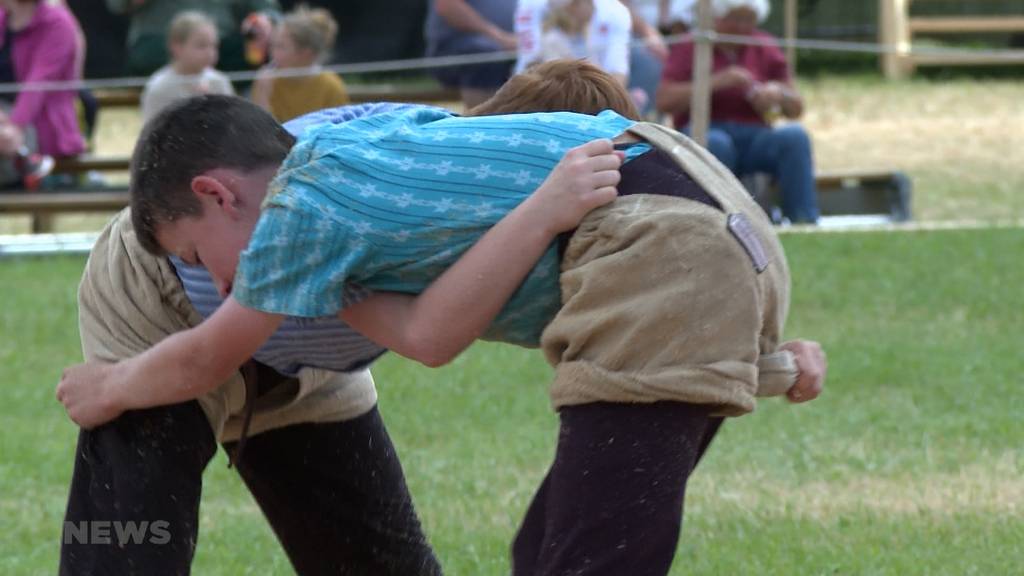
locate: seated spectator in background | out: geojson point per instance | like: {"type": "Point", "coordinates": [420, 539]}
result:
{"type": "Point", "coordinates": [460, 27]}
{"type": "Point", "coordinates": [39, 42]}
{"type": "Point", "coordinates": [303, 39]}
{"type": "Point", "coordinates": [597, 30]}
{"type": "Point", "coordinates": [147, 40]}
{"type": "Point", "coordinates": [192, 42]}
{"type": "Point", "coordinates": [751, 87]}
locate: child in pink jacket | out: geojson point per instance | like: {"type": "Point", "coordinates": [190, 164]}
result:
{"type": "Point", "coordinates": [39, 42]}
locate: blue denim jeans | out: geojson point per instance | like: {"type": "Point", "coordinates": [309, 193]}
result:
{"type": "Point", "coordinates": [783, 151]}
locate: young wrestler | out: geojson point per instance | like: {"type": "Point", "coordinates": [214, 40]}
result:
{"type": "Point", "coordinates": [669, 296]}
{"type": "Point", "coordinates": [350, 513]}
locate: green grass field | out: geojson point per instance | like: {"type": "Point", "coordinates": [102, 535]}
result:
{"type": "Point", "coordinates": [911, 462]}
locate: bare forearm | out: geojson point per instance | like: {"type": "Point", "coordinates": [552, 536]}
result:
{"type": "Point", "coordinates": [189, 364]}
{"type": "Point", "coordinates": [792, 103]}
{"type": "Point", "coordinates": [458, 306]}
{"type": "Point", "coordinates": [176, 370]}
{"type": "Point", "coordinates": [673, 97]}
{"type": "Point", "coordinates": [462, 16]}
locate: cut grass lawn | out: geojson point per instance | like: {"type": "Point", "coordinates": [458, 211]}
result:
{"type": "Point", "coordinates": [911, 463]}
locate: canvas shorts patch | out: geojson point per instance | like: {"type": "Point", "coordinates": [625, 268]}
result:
{"type": "Point", "coordinates": [663, 300]}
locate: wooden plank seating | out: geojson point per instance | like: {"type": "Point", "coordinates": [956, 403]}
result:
{"type": "Point", "coordinates": [884, 193]}
{"type": "Point", "coordinates": [897, 29]}
{"type": "Point", "coordinates": [43, 205]}
{"type": "Point", "coordinates": [965, 25]}
{"type": "Point", "coordinates": [89, 162]}
{"type": "Point", "coordinates": [359, 93]}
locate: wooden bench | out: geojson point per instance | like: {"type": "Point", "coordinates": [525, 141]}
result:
{"type": "Point", "coordinates": [885, 193]}
{"type": "Point", "coordinates": [359, 93]}
{"type": "Point", "coordinates": [90, 163]}
{"type": "Point", "coordinates": [43, 205]}
{"type": "Point", "coordinates": [897, 28]}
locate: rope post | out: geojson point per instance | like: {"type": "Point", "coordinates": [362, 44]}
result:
{"type": "Point", "coordinates": [700, 93]}
{"type": "Point", "coordinates": [893, 35]}
{"type": "Point", "coordinates": [791, 25]}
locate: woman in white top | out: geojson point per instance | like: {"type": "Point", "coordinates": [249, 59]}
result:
{"type": "Point", "coordinates": [598, 30]}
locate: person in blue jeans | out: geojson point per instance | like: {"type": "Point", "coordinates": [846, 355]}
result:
{"type": "Point", "coordinates": [751, 86]}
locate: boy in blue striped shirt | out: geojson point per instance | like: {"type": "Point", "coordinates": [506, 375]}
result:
{"type": "Point", "coordinates": [664, 303]}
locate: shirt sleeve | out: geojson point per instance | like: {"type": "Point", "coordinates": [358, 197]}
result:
{"type": "Point", "coordinates": [679, 66]}
{"type": "Point", "coordinates": [301, 254]}
{"type": "Point", "coordinates": [340, 114]}
{"type": "Point", "coordinates": [774, 62]}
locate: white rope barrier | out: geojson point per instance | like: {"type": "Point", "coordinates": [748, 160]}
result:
{"type": "Point", "coordinates": [1008, 55]}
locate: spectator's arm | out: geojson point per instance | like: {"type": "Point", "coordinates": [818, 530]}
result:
{"type": "Point", "coordinates": [616, 54]}
{"type": "Point", "coordinates": [461, 16]}
{"type": "Point", "coordinates": [58, 46]}
{"type": "Point", "coordinates": [781, 81]}
{"type": "Point", "coordinates": [664, 12]}
{"type": "Point", "coordinates": [643, 30]}
{"type": "Point", "coordinates": [791, 103]}
{"type": "Point", "coordinates": [673, 97]}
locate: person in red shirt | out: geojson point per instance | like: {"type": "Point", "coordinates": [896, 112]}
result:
{"type": "Point", "coordinates": [751, 87]}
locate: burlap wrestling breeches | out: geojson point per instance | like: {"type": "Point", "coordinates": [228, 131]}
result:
{"type": "Point", "coordinates": [661, 301]}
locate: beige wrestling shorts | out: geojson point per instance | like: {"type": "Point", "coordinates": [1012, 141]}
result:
{"type": "Point", "coordinates": [666, 298]}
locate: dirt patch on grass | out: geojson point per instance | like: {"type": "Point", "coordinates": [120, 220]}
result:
{"type": "Point", "coordinates": [959, 141]}
{"type": "Point", "coordinates": [996, 488]}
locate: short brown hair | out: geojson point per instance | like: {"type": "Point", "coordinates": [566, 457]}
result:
{"type": "Point", "coordinates": [188, 138]}
{"type": "Point", "coordinates": [560, 86]}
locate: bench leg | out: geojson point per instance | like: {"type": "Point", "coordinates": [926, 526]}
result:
{"type": "Point", "coordinates": [42, 223]}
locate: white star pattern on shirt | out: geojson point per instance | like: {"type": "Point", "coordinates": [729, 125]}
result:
{"type": "Point", "coordinates": [444, 168]}
{"type": "Point", "coordinates": [444, 205]}
{"type": "Point", "coordinates": [483, 171]}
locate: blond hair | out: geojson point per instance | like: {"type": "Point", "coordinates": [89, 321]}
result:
{"type": "Point", "coordinates": [312, 29]}
{"type": "Point", "coordinates": [561, 85]}
{"type": "Point", "coordinates": [185, 24]}
{"type": "Point", "coordinates": [559, 17]}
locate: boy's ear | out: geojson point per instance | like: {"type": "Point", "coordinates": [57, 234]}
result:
{"type": "Point", "coordinates": [211, 191]}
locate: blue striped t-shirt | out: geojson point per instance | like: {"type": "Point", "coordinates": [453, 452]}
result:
{"type": "Point", "coordinates": [320, 342]}
{"type": "Point", "coordinates": [392, 200]}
